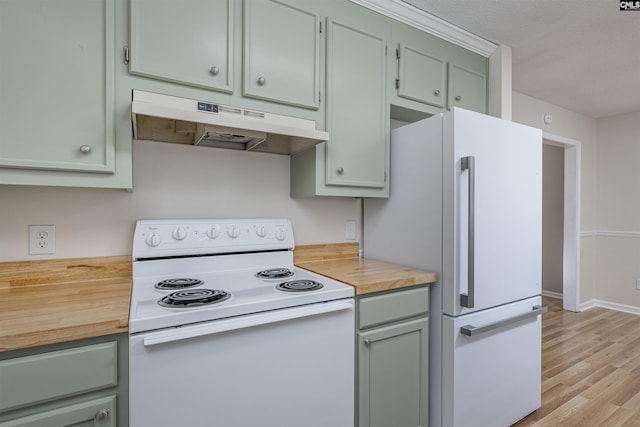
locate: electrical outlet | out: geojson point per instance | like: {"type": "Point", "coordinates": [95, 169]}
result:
{"type": "Point", "coordinates": [350, 230]}
{"type": "Point", "coordinates": [42, 239]}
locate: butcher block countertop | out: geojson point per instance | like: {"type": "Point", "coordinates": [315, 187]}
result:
{"type": "Point", "coordinates": [50, 301]}
{"type": "Point", "coordinates": [341, 262]}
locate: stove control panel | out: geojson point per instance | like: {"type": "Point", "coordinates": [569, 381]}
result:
{"type": "Point", "coordinates": [174, 237]}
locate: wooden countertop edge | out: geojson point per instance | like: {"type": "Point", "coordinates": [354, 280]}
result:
{"type": "Point", "coordinates": [66, 270]}
{"type": "Point", "coordinates": [57, 335]}
{"type": "Point", "coordinates": [340, 262]}
{"type": "Point", "coordinates": [98, 291]}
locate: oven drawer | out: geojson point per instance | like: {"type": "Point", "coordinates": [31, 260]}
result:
{"type": "Point", "coordinates": [286, 366]}
{"type": "Point", "coordinates": [47, 376]}
{"type": "Point", "coordinates": [392, 306]}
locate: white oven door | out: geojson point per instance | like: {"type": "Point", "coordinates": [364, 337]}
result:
{"type": "Point", "coordinates": [284, 368]}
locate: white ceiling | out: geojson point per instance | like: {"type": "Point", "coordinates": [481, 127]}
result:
{"type": "Point", "coordinates": [583, 55]}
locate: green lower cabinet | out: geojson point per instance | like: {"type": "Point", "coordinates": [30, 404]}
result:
{"type": "Point", "coordinates": [392, 359]}
{"type": "Point", "coordinates": [393, 379]}
{"type": "Point", "coordinates": [96, 412]}
{"type": "Point", "coordinates": [78, 383]}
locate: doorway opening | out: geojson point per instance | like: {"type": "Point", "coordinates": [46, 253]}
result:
{"type": "Point", "coordinates": [570, 229]}
{"type": "Point", "coordinates": [552, 220]}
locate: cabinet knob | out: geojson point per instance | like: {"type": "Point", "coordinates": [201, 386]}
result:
{"type": "Point", "coordinates": [85, 149]}
{"type": "Point", "coordinates": [436, 92]}
{"type": "Point", "coordinates": [340, 171]}
{"type": "Point", "coordinates": [101, 415]}
{"type": "Point", "coordinates": [458, 98]}
{"type": "Point", "coordinates": [215, 70]}
{"type": "Point", "coordinates": [367, 342]}
{"type": "Point", "coordinates": [261, 81]}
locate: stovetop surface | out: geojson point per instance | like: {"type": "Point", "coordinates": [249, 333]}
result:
{"type": "Point", "coordinates": [225, 255]}
{"type": "Point", "coordinates": [248, 295]}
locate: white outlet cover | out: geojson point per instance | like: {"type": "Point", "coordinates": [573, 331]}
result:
{"type": "Point", "coordinates": [350, 230]}
{"type": "Point", "coordinates": [42, 239]}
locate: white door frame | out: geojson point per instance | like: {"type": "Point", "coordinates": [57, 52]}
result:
{"type": "Point", "coordinates": [571, 245]}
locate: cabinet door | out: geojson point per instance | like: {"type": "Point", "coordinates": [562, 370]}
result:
{"type": "Point", "coordinates": [421, 76]}
{"type": "Point", "coordinates": [467, 89]}
{"type": "Point", "coordinates": [357, 122]}
{"type": "Point", "coordinates": [99, 412]}
{"type": "Point", "coordinates": [393, 375]}
{"type": "Point", "coordinates": [53, 375]}
{"type": "Point", "coordinates": [188, 41]}
{"type": "Point", "coordinates": [281, 53]}
{"type": "Point", "coordinates": [57, 85]}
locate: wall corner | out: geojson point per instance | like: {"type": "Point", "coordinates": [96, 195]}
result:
{"type": "Point", "coordinates": [500, 83]}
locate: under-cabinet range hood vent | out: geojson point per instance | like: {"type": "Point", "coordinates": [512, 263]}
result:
{"type": "Point", "coordinates": [166, 118]}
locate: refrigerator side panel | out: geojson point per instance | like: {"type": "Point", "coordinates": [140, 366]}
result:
{"type": "Point", "coordinates": [405, 229]}
{"type": "Point", "coordinates": [503, 173]}
{"type": "Point", "coordinates": [494, 377]}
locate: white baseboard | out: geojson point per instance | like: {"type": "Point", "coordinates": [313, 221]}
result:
{"type": "Point", "coordinates": [552, 294]}
{"type": "Point", "coordinates": [609, 305]}
{"type": "Point", "coordinates": [597, 303]}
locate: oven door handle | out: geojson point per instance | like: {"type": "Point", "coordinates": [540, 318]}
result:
{"type": "Point", "coordinates": [242, 322]}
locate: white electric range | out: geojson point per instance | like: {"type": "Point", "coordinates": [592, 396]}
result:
{"type": "Point", "coordinates": [221, 318]}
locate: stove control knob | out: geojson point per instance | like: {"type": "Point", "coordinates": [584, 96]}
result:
{"type": "Point", "coordinates": [213, 231]}
{"type": "Point", "coordinates": [261, 231]}
{"type": "Point", "coordinates": [179, 233]}
{"type": "Point", "coordinates": [233, 232]}
{"type": "Point", "coordinates": [153, 240]}
{"type": "Point", "coordinates": [281, 234]}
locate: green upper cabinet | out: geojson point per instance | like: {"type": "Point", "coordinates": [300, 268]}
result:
{"type": "Point", "coordinates": [187, 41]}
{"type": "Point", "coordinates": [428, 74]}
{"type": "Point", "coordinates": [421, 77]}
{"type": "Point", "coordinates": [357, 120]}
{"type": "Point", "coordinates": [354, 161]}
{"type": "Point", "coordinates": [281, 53]}
{"type": "Point", "coordinates": [467, 89]}
{"type": "Point", "coordinates": [56, 85]}
{"type": "Point", "coordinates": [59, 105]}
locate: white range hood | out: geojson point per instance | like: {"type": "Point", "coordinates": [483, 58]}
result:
{"type": "Point", "coordinates": [166, 118]}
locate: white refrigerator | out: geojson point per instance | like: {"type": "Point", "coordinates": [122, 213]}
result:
{"type": "Point", "coordinates": [466, 202]}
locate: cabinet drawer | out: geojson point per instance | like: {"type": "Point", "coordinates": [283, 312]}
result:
{"type": "Point", "coordinates": [57, 374]}
{"type": "Point", "coordinates": [393, 306]}
{"type": "Point", "coordinates": [97, 412]}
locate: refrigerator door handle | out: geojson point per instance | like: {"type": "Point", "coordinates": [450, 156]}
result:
{"type": "Point", "coordinates": [467, 300]}
{"type": "Point", "coordinates": [470, 330]}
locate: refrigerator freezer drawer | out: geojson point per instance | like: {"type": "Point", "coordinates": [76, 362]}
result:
{"type": "Point", "coordinates": [492, 378]}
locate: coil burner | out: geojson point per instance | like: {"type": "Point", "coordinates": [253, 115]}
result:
{"type": "Point", "coordinates": [193, 297]}
{"type": "Point", "coordinates": [179, 283]}
{"type": "Point", "coordinates": [274, 273]}
{"type": "Point", "coordinates": [299, 286]}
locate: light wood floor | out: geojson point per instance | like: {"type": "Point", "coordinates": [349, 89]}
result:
{"type": "Point", "coordinates": [590, 369]}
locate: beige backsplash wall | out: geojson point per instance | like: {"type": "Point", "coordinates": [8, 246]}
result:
{"type": "Point", "coordinates": [170, 181]}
